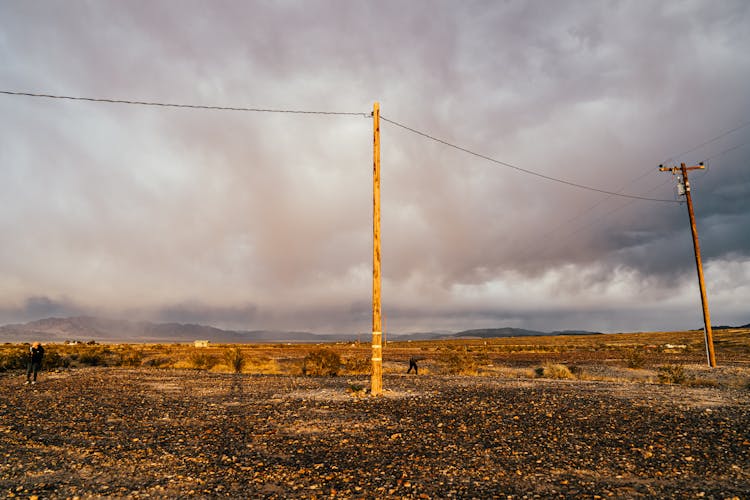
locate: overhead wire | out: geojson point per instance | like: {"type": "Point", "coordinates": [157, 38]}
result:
{"type": "Point", "coordinates": [190, 106]}
{"type": "Point", "coordinates": [607, 215]}
{"type": "Point", "coordinates": [559, 227]}
{"type": "Point", "coordinates": [714, 139]}
{"type": "Point", "coordinates": [520, 169]}
{"type": "Point", "coordinates": [738, 146]}
{"type": "Point", "coordinates": [647, 172]}
{"type": "Point", "coordinates": [608, 193]}
{"type": "Point", "coordinates": [570, 234]}
{"type": "Point", "coordinates": [710, 141]}
{"type": "Point", "coordinates": [393, 122]}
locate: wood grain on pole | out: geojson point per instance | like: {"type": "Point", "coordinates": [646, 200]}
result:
{"type": "Point", "coordinates": [376, 382]}
{"type": "Point", "coordinates": [699, 265]}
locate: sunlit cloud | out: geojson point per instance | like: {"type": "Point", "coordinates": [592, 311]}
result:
{"type": "Point", "coordinates": [263, 220]}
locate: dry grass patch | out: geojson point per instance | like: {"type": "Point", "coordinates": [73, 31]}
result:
{"type": "Point", "coordinates": [459, 363]}
{"type": "Point", "coordinates": [321, 362]}
{"type": "Point", "coordinates": [502, 371]}
{"type": "Point", "coordinates": [200, 360]}
{"type": "Point", "coordinates": [262, 365]}
{"type": "Point", "coordinates": [13, 357]}
{"type": "Point", "coordinates": [358, 365]}
{"type": "Point", "coordinates": [635, 358]}
{"type": "Point", "coordinates": [672, 374]}
{"type": "Point", "coordinates": [234, 359]}
{"type": "Point", "coordinates": [554, 371]}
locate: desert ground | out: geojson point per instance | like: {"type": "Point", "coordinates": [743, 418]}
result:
{"type": "Point", "coordinates": [606, 417]}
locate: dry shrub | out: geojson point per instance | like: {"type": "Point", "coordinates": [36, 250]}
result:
{"type": "Point", "coordinates": [132, 358]}
{"type": "Point", "coordinates": [672, 374]}
{"type": "Point", "coordinates": [53, 359]}
{"type": "Point", "coordinates": [634, 358]}
{"type": "Point", "coordinates": [577, 372]}
{"type": "Point", "coordinates": [234, 359]}
{"type": "Point", "coordinates": [702, 382]}
{"type": "Point", "coordinates": [321, 362]}
{"type": "Point", "coordinates": [201, 361]}
{"type": "Point", "coordinates": [554, 371]}
{"type": "Point", "coordinates": [356, 390]}
{"type": "Point", "coordinates": [92, 358]}
{"type": "Point", "coordinates": [158, 362]}
{"type": "Point", "coordinates": [458, 363]}
{"type": "Point", "coordinates": [511, 372]}
{"type": "Point", "coordinates": [14, 358]}
{"type": "Point", "coordinates": [360, 365]}
{"type": "Point", "coordinates": [93, 355]}
{"type": "Point", "coordinates": [263, 365]}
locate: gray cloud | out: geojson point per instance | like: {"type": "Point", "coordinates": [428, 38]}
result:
{"type": "Point", "coordinates": [39, 307]}
{"type": "Point", "coordinates": [254, 220]}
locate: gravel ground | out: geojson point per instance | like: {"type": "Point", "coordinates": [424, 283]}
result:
{"type": "Point", "coordinates": [105, 432]}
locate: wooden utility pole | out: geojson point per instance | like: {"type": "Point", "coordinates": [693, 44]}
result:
{"type": "Point", "coordinates": [685, 187]}
{"type": "Point", "coordinates": [376, 382]}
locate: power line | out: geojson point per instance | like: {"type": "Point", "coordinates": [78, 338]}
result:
{"type": "Point", "coordinates": [651, 170]}
{"type": "Point", "coordinates": [647, 172]}
{"type": "Point", "coordinates": [612, 212]}
{"type": "Point", "coordinates": [191, 106]}
{"type": "Point", "coordinates": [515, 167]}
{"type": "Point", "coordinates": [728, 150]}
{"type": "Point", "coordinates": [714, 139]}
{"type": "Point", "coordinates": [367, 115]}
{"type": "Point", "coordinates": [563, 226]}
{"type": "Point", "coordinates": [570, 233]}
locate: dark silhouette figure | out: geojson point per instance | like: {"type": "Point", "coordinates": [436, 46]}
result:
{"type": "Point", "coordinates": [36, 353]}
{"type": "Point", "coordinates": [413, 364]}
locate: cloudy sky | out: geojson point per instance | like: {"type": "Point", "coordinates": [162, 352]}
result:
{"type": "Point", "coordinates": [263, 220]}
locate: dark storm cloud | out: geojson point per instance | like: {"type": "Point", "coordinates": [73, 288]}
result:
{"type": "Point", "coordinates": [227, 317]}
{"type": "Point", "coordinates": [264, 219]}
{"type": "Point", "coordinates": [39, 307]}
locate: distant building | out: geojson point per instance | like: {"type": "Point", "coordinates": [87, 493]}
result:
{"type": "Point", "coordinates": [201, 343]}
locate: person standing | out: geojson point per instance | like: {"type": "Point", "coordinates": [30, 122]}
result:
{"type": "Point", "coordinates": [36, 354]}
{"type": "Point", "coordinates": [413, 365]}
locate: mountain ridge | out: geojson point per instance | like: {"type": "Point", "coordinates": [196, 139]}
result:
{"type": "Point", "coordinates": [87, 328]}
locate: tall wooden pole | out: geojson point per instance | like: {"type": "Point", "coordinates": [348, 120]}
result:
{"type": "Point", "coordinates": [376, 382]}
{"type": "Point", "coordinates": [708, 332]}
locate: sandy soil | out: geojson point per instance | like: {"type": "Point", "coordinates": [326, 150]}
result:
{"type": "Point", "coordinates": [107, 432]}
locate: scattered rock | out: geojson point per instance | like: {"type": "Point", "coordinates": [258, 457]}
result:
{"type": "Point", "coordinates": [151, 433]}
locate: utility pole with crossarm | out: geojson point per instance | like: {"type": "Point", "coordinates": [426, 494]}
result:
{"type": "Point", "coordinates": [376, 380]}
{"type": "Point", "coordinates": [684, 190]}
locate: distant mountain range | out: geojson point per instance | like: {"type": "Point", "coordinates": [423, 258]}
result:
{"type": "Point", "coordinates": [515, 332]}
{"type": "Point", "coordinates": [87, 328]}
